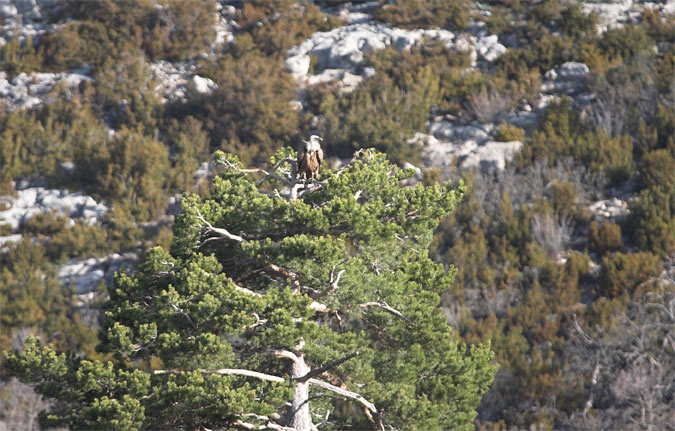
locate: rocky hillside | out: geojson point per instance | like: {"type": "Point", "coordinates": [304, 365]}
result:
{"type": "Point", "coordinates": [559, 117]}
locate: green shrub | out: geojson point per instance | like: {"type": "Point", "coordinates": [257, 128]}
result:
{"type": "Point", "coordinates": [35, 142]}
{"type": "Point", "coordinates": [167, 30]}
{"type": "Point", "coordinates": [250, 113]}
{"type": "Point", "coordinates": [605, 238]}
{"type": "Point", "coordinates": [378, 115]}
{"type": "Point", "coordinates": [448, 14]}
{"type": "Point", "coordinates": [277, 26]}
{"type": "Point", "coordinates": [31, 297]}
{"type": "Point", "coordinates": [652, 219]}
{"type": "Point", "coordinates": [657, 168]}
{"type": "Point", "coordinates": [562, 134]}
{"type": "Point", "coordinates": [124, 88]}
{"type": "Point", "coordinates": [622, 272]}
{"type": "Point", "coordinates": [575, 23]}
{"type": "Point", "coordinates": [189, 146]}
{"type": "Point", "coordinates": [509, 132]}
{"type": "Point", "coordinates": [17, 57]}
{"type": "Point", "coordinates": [131, 170]}
{"type": "Point", "coordinates": [77, 43]}
{"type": "Point", "coordinates": [624, 43]}
{"type": "Point", "coordinates": [660, 27]}
{"type": "Point", "coordinates": [563, 196]}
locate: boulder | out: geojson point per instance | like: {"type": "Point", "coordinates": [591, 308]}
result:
{"type": "Point", "coordinates": [202, 85]}
{"type": "Point", "coordinates": [7, 9]}
{"type": "Point", "coordinates": [609, 209]}
{"type": "Point", "coordinates": [298, 64]}
{"type": "Point", "coordinates": [449, 131]}
{"type": "Point", "coordinates": [489, 48]}
{"type": "Point", "coordinates": [569, 78]}
{"type": "Point", "coordinates": [491, 155]}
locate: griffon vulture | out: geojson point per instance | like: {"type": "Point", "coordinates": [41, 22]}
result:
{"type": "Point", "coordinates": [310, 157]}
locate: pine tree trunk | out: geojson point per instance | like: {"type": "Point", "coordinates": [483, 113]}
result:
{"type": "Point", "coordinates": [301, 419]}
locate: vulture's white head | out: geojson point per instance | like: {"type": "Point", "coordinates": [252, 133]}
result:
{"type": "Point", "coordinates": [313, 144]}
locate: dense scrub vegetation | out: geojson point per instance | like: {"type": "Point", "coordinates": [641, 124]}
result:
{"type": "Point", "coordinates": [547, 282]}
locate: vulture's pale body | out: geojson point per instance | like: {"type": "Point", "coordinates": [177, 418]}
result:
{"type": "Point", "coordinates": [309, 158]}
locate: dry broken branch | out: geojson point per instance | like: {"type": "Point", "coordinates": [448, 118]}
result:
{"type": "Point", "coordinates": [386, 307]}
{"type": "Point", "coordinates": [222, 233]}
{"type": "Point", "coordinates": [226, 372]}
{"type": "Point", "coordinates": [370, 407]}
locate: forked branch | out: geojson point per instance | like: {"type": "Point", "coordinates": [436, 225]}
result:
{"type": "Point", "coordinates": [220, 232]}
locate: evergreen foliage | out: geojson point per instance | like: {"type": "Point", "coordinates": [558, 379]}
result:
{"type": "Point", "coordinates": [339, 276]}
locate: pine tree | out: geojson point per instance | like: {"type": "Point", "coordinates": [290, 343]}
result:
{"type": "Point", "coordinates": [300, 307]}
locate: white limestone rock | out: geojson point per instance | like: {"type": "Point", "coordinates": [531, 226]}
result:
{"type": "Point", "coordinates": [489, 48]}
{"type": "Point", "coordinates": [175, 81]}
{"type": "Point", "coordinates": [569, 78]}
{"type": "Point", "coordinates": [446, 130]}
{"type": "Point", "coordinates": [26, 91]}
{"type": "Point", "coordinates": [345, 47]}
{"type": "Point", "coordinates": [7, 9]}
{"type": "Point", "coordinates": [84, 275]}
{"type": "Point", "coordinates": [202, 85]}
{"type": "Point", "coordinates": [4, 240]}
{"type": "Point", "coordinates": [491, 155]}
{"type": "Point", "coordinates": [466, 153]}
{"type": "Point", "coordinates": [609, 209]}
{"type": "Point", "coordinates": [298, 65]}
{"type": "Point", "coordinates": [38, 200]}
{"type": "Point", "coordinates": [344, 80]}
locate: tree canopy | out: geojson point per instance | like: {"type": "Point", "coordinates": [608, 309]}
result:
{"type": "Point", "coordinates": [280, 305]}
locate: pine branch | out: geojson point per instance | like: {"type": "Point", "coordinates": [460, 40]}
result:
{"type": "Point", "coordinates": [327, 367]}
{"type": "Point", "coordinates": [268, 426]}
{"type": "Point", "coordinates": [369, 407]}
{"type": "Point", "coordinates": [225, 372]}
{"type": "Point", "coordinates": [386, 307]}
{"type": "Point", "coordinates": [218, 231]}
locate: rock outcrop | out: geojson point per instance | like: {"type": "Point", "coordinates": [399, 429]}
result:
{"type": "Point", "coordinates": [32, 201]}
{"type": "Point", "coordinates": [346, 47]}
{"type": "Point", "coordinates": [30, 90]}
{"type": "Point", "coordinates": [613, 14]}
{"type": "Point", "coordinates": [83, 275]}
{"type": "Point", "coordinates": [569, 78]}
{"type": "Point", "coordinates": [480, 153]}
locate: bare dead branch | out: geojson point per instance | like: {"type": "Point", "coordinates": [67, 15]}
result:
{"type": "Point", "coordinates": [226, 372]}
{"type": "Point", "coordinates": [316, 306]}
{"type": "Point", "coordinates": [180, 311]}
{"type": "Point", "coordinates": [222, 233]}
{"type": "Point", "coordinates": [386, 307]}
{"type": "Point", "coordinates": [370, 407]}
{"type": "Point", "coordinates": [268, 426]}
{"type": "Point", "coordinates": [285, 354]}
{"type": "Point", "coordinates": [275, 270]}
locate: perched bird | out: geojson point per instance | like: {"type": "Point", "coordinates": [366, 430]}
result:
{"type": "Point", "coordinates": [310, 157]}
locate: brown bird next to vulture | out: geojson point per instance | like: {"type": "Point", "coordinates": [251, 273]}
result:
{"type": "Point", "coordinates": [309, 158]}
